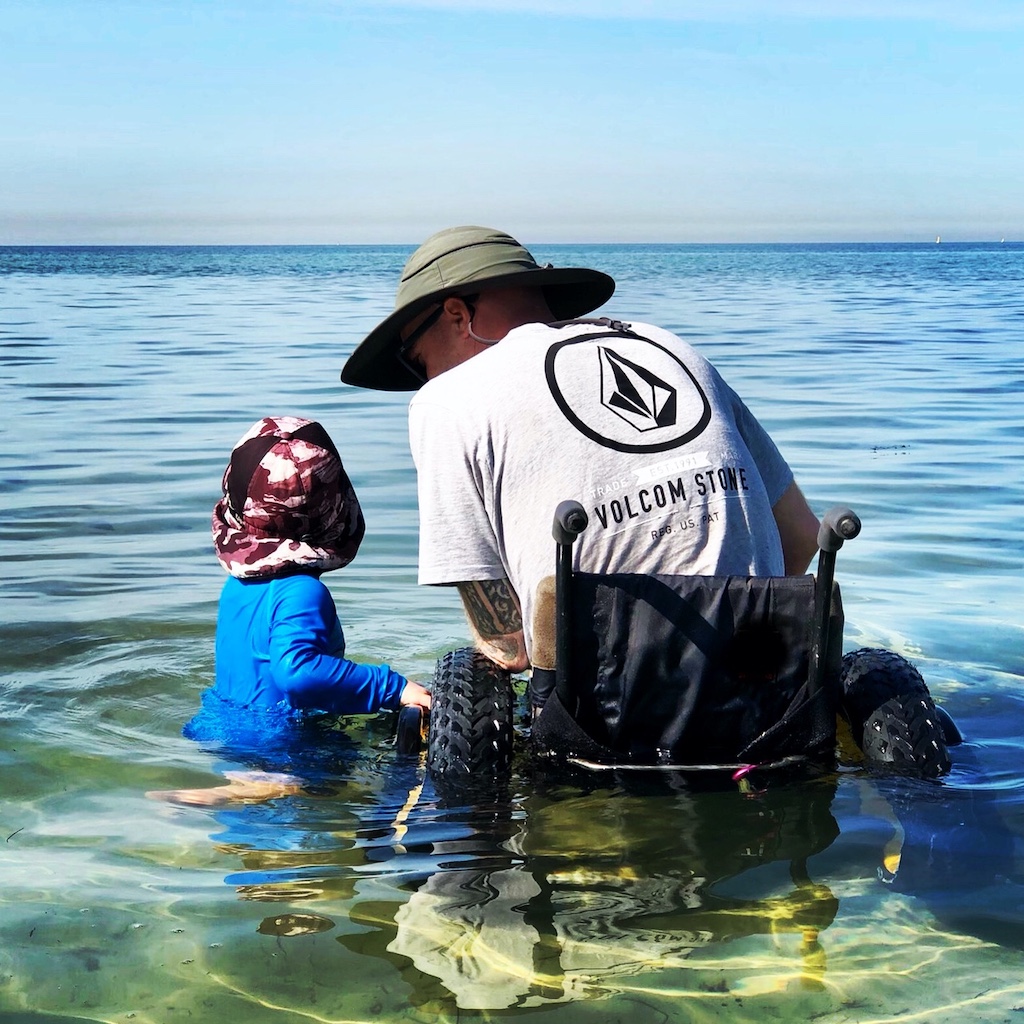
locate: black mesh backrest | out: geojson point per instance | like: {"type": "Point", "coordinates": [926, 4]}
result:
{"type": "Point", "coordinates": [708, 669]}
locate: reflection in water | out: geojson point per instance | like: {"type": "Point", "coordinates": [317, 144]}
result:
{"type": "Point", "coordinates": [577, 890]}
{"type": "Point", "coordinates": [589, 895]}
{"type": "Point", "coordinates": [953, 847]}
{"type": "Point", "coordinates": [550, 897]}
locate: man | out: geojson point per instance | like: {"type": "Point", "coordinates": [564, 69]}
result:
{"type": "Point", "coordinates": [676, 474]}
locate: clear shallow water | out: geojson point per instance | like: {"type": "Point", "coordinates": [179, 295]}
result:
{"type": "Point", "coordinates": [890, 376]}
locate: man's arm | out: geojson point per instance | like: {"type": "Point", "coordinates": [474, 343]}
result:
{"type": "Point", "coordinates": [492, 608]}
{"type": "Point", "coordinates": [798, 528]}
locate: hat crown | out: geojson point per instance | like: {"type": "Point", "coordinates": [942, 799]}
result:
{"type": "Point", "coordinates": [463, 261]}
{"type": "Point", "coordinates": [284, 463]}
{"type": "Point", "coordinates": [288, 503]}
{"type": "Point", "coordinates": [456, 257]}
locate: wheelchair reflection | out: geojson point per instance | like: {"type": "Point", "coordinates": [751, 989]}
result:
{"type": "Point", "coordinates": [607, 885]}
{"type": "Point", "coordinates": [576, 887]}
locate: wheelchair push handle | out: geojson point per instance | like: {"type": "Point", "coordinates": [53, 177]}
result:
{"type": "Point", "coordinates": [838, 525]}
{"type": "Point", "coordinates": [570, 521]}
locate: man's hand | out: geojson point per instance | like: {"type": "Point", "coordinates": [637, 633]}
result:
{"type": "Point", "coordinates": [492, 608]}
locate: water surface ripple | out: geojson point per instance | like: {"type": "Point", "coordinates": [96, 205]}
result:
{"type": "Point", "coordinates": [890, 375]}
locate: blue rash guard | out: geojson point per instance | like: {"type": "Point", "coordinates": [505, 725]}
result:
{"type": "Point", "coordinates": [280, 648]}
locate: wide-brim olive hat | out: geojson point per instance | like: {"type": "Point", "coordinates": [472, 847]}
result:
{"type": "Point", "coordinates": [466, 260]}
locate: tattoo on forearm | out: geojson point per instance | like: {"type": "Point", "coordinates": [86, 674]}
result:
{"type": "Point", "coordinates": [492, 607]}
{"type": "Point", "coordinates": [507, 648]}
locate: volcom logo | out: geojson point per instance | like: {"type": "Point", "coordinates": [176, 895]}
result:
{"type": "Point", "coordinates": [630, 393]}
{"type": "Point", "coordinates": [636, 394]}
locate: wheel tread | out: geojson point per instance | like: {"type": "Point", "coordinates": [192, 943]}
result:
{"type": "Point", "coordinates": [471, 717]}
{"type": "Point", "coordinates": [887, 703]}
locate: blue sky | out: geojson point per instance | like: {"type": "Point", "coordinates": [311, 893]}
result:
{"type": "Point", "coordinates": [331, 121]}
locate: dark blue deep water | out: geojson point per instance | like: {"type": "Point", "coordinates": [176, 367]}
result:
{"type": "Point", "coordinates": [890, 375]}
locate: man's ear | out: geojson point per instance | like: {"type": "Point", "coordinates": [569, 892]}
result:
{"type": "Point", "coordinates": [457, 309]}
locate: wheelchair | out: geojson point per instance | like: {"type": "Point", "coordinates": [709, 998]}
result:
{"type": "Point", "coordinates": [686, 674]}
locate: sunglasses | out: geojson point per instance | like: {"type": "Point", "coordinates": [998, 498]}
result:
{"type": "Point", "coordinates": [413, 366]}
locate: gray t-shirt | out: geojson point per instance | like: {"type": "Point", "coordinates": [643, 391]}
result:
{"type": "Point", "coordinates": [676, 474]}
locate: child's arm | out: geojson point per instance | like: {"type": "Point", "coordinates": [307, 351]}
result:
{"type": "Point", "coordinates": [307, 655]}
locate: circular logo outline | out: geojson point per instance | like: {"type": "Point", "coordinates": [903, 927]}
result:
{"type": "Point", "coordinates": [606, 442]}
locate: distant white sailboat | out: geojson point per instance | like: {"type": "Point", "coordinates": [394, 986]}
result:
{"type": "Point", "coordinates": [938, 238]}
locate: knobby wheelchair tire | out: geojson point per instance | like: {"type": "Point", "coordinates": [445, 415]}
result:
{"type": "Point", "coordinates": [470, 733]}
{"type": "Point", "coordinates": [891, 713]}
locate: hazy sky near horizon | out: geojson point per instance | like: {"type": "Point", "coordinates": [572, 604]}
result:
{"type": "Point", "coordinates": [339, 121]}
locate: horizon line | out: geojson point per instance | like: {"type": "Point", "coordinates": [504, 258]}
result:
{"type": "Point", "coordinates": [399, 245]}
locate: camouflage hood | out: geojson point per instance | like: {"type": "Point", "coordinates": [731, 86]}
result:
{"type": "Point", "coordinates": [288, 505]}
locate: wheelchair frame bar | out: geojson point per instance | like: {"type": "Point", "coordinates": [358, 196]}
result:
{"type": "Point", "coordinates": [570, 521]}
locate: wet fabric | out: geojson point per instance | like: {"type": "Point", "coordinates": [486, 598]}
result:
{"type": "Point", "coordinates": [280, 660]}
{"type": "Point", "coordinates": [311, 745]}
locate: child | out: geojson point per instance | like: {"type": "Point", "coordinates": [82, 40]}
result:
{"type": "Point", "coordinates": [288, 514]}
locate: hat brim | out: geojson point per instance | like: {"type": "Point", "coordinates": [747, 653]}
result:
{"type": "Point", "coordinates": [570, 292]}
{"type": "Point", "coordinates": [248, 555]}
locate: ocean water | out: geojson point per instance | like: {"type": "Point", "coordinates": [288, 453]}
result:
{"type": "Point", "coordinates": [891, 377]}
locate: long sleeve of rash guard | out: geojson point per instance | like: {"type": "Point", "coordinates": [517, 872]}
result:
{"type": "Point", "coordinates": [306, 654]}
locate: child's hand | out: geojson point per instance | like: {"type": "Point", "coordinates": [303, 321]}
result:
{"type": "Point", "coordinates": [415, 694]}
